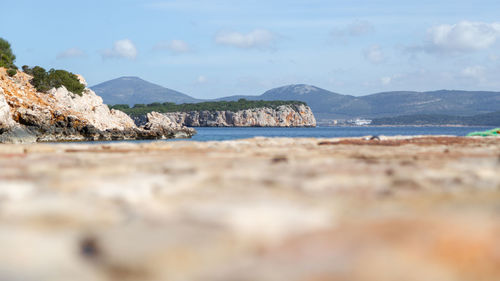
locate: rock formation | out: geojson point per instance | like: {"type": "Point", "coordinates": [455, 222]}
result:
{"type": "Point", "coordinates": [160, 123]}
{"type": "Point", "coordinates": [59, 115]}
{"type": "Point", "coordinates": [283, 116]}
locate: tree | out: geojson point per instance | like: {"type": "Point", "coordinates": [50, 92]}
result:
{"type": "Point", "coordinates": [7, 57]}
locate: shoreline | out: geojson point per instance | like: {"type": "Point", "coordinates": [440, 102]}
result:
{"type": "Point", "coordinates": [450, 125]}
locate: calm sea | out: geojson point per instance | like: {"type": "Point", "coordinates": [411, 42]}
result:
{"type": "Point", "coordinates": [219, 134]}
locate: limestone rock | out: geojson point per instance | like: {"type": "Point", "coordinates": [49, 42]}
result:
{"type": "Point", "coordinates": [283, 116]}
{"type": "Point", "coordinates": [5, 117]}
{"type": "Point", "coordinates": [161, 123]}
{"type": "Point", "coordinates": [91, 105]}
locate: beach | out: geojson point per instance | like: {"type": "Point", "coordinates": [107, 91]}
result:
{"type": "Point", "coordinates": [394, 208]}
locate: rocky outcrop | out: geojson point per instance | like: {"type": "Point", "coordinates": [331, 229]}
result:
{"type": "Point", "coordinates": [59, 115]}
{"type": "Point", "coordinates": [283, 116]}
{"type": "Point", "coordinates": [160, 123]}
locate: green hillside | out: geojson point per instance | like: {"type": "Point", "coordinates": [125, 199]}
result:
{"type": "Point", "coordinates": [242, 104]}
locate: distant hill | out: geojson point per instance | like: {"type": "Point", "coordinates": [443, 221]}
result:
{"type": "Point", "coordinates": [329, 105]}
{"type": "Point", "coordinates": [487, 119]}
{"type": "Point", "coordinates": [462, 103]}
{"type": "Point", "coordinates": [134, 90]}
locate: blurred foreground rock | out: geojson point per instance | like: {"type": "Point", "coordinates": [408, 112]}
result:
{"type": "Point", "coordinates": [259, 209]}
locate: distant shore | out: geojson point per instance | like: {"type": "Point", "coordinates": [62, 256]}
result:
{"type": "Point", "coordinates": [375, 126]}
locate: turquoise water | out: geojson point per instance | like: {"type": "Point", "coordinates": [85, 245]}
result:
{"type": "Point", "coordinates": [218, 134]}
{"type": "Point", "coordinates": [221, 134]}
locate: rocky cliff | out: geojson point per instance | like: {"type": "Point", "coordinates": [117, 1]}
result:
{"type": "Point", "coordinates": [282, 116]}
{"type": "Point", "coordinates": [59, 115]}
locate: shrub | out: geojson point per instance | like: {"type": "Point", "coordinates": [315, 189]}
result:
{"type": "Point", "coordinates": [7, 57]}
{"type": "Point", "coordinates": [45, 80]}
{"type": "Point", "coordinates": [11, 72]}
{"type": "Point", "coordinates": [121, 106]}
{"type": "Point", "coordinates": [67, 79]}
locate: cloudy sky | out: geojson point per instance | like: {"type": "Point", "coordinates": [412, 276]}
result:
{"type": "Point", "coordinates": [215, 48]}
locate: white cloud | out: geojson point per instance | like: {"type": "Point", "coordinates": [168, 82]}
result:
{"type": "Point", "coordinates": [389, 80]}
{"type": "Point", "coordinates": [356, 28]}
{"type": "Point", "coordinates": [259, 38]}
{"type": "Point", "coordinates": [71, 53]}
{"type": "Point", "coordinates": [475, 72]}
{"type": "Point", "coordinates": [174, 46]}
{"type": "Point", "coordinates": [464, 36]}
{"type": "Point", "coordinates": [386, 80]}
{"type": "Point", "coordinates": [202, 79]}
{"type": "Point", "coordinates": [121, 49]}
{"type": "Point", "coordinates": [374, 54]}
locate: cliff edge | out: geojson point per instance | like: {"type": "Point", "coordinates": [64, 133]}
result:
{"type": "Point", "coordinates": [282, 116]}
{"type": "Point", "coordinates": [28, 116]}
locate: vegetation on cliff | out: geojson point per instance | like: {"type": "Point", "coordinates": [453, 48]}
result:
{"type": "Point", "coordinates": [42, 80]}
{"type": "Point", "coordinates": [242, 104]}
{"type": "Point", "coordinates": [7, 57]}
{"type": "Point", "coordinates": [45, 80]}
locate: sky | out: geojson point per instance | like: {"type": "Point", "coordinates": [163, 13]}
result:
{"type": "Point", "coordinates": [218, 48]}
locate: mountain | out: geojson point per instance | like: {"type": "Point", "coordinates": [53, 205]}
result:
{"type": "Point", "coordinates": [445, 102]}
{"type": "Point", "coordinates": [134, 90]}
{"type": "Point", "coordinates": [329, 105]}
{"type": "Point", "coordinates": [486, 119]}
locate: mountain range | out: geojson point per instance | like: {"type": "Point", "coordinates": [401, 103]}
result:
{"type": "Point", "coordinates": [325, 104]}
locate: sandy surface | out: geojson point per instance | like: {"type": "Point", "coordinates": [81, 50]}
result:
{"type": "Point", "coordinates": [258, 209]}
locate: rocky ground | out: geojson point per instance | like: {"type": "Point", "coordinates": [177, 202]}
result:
{"type": "Point", "coordinates": [260, 209]}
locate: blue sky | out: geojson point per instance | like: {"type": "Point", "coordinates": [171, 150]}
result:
{"type": "Point", "coordinates": [217, 48]}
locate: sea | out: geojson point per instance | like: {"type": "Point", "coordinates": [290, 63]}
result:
{"type": "Point", "coordinates": [233, 133]}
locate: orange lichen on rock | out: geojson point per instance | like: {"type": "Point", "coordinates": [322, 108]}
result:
{"type": "Point", "coordinates": [21, 94]}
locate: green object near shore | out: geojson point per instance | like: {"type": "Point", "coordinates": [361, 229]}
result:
{"type": "Point", "coordinates": [490, 133]}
